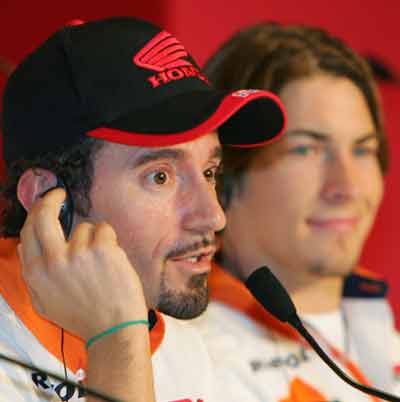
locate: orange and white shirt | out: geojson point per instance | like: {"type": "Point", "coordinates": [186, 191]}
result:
{"type": "Point", "coordinates": [257, 358]}
{"type": "Point", "coordinates": [181, 365]}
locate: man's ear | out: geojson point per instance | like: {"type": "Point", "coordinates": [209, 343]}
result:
{"type": "Point", "coordinates": [32, 184]}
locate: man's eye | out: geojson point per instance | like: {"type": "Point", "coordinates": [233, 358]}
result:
{"type": "Point", "coordinates": [160, 177]}
{"type": "Point", "coordinates": [211, 174]}
{"type": "Point", "coordinates": [305, 150]}
{"type": "Point", "coordinates": [300, 150]}
{"type": "Point", "coordinates": [365, 150]}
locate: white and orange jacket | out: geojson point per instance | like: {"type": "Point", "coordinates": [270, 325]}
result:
{"type": "Point", "coordinates": [259, 359]}
{"type": "Point", "coordinates": [182, 371]}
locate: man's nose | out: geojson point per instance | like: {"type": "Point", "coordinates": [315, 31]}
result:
{"type": "Point", "coordinates": [203, 212]}
{"type": "Point", "coordinates": [341, 181]}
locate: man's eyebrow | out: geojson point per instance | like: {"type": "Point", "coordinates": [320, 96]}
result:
{"type": "Point", "coordinates": [367, 137]}
{"type": "Point", "coordinates": [323, 137]}
{"type": "Point", "coordinates": [217, 153]}
{"type": "Point", "coordinates": [308, 133]}
{"type": "Point", "coordinates": [153, 155]}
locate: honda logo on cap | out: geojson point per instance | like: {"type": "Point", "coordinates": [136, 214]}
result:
{"type": "Point", "coordinates": [162, 52]}
{"type": "Point", "coordinates": [166, 55]}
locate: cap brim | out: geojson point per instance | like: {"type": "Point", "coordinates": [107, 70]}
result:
{"type": "Point", "coordinates": [246, 118]}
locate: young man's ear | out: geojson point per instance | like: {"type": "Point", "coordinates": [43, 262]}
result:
{"type": "Point", "coordinates": [32, 184]}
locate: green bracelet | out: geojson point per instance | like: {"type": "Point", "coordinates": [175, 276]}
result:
{"type": "Point", "coordinates": [114, 329]}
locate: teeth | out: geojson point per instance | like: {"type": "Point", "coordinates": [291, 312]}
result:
{"type": "Point", "coordinates": [194, 259]}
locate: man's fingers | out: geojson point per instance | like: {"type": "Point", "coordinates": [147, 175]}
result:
{"type": "Point", "coordinates": [32, 275]}
{"type": "Point", "coordinates": [30, 248]}
{"type": "Point", "coordinates": [81, 238]}
{"type": "Point", "coordinates": [42, 234]}
{"type": "Point", "coordinates": [104, 234]}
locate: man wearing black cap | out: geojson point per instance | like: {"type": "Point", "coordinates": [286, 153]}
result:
{"type": "Point", "coordinates": [117, 114]}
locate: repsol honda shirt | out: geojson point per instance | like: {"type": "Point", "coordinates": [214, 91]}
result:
{"type": "Point", "coordinates": [257, 358]}
{"type": "Point", "coordinates": [182, 371]}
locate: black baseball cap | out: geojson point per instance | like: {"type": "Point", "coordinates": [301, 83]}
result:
{"type": "Point", "coordinates": [125, 80]}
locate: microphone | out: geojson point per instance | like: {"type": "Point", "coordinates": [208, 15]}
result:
{"type": "Point", "coordinates": [271, 294]}
{"type": "Point", "coordinates": [83, 388]}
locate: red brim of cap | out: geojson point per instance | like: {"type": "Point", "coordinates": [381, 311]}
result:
{"type": "Point", "coordinates": [244, 118]}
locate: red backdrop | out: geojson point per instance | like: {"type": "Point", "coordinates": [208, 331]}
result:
{"type": "Point", "coordinates": [369, 26]}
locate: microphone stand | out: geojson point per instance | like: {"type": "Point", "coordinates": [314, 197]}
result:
{"type": "Point", "coordinates": [296, 323]}
{"type": "Point", "coordinates": [270, 293]}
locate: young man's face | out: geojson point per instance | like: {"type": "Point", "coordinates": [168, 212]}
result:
{"type": "Point", "coordinates": [163, 206]}
{"type": "Point", "coordinates": [311, 199]}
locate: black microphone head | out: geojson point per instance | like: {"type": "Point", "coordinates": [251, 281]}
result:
{"type": "Point", "coordinates": [268, 291]}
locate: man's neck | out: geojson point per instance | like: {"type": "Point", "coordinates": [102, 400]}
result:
{"type": "Point", "coordinates": [322, 295]}
{"type": "Point", "coordinates": [311, 294]}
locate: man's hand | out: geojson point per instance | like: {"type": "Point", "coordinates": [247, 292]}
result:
{"type": "Point", "coordinates": [85, 284]}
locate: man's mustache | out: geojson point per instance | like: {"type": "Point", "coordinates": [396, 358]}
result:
{"type": "Point", "coordinates": [189, 248]}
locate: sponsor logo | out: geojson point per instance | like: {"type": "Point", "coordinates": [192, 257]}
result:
{"type": "Point", "coordinates": [64, 391]}
{"type": "Point", "coordinates": [166, 55]}
{"type": "Point", "coordinates": [373, 288]}
{"type": "Point", "coordinates": [176, 74]}
{"type": "Point", "coordinates": [244, 93]}
{"type": "Point", "coordinates": [161, 53]}
{"type": "Point", "coordinates": [292, 360]}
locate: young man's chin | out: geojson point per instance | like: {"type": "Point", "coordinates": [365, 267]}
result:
{"type": "Point", "coordinates": [187, 304]}
{"type": "Point", "coordinates": [340, 268]}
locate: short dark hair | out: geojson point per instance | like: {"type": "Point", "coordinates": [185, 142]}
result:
{"type": "Point", "coordinates": [74, 164]}
{"type": "Point", "coordinates": [269, 56]}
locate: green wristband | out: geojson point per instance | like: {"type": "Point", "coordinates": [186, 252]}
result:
{"type": "Point", "coordinates": [114, 329]}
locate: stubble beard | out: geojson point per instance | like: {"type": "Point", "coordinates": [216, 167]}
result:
{"type": "Point", "coordinates": [336, 269]}
{"type": "Point", "coordinates": [184, 304]}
